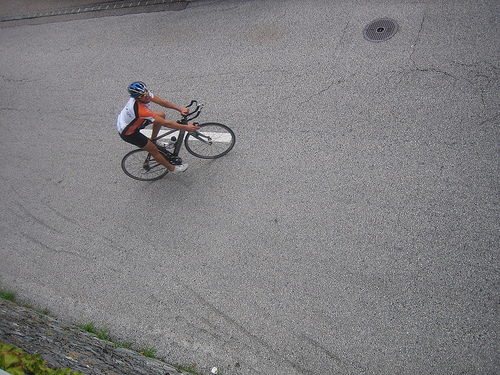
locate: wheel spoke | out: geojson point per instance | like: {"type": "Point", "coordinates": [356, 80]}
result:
{"type": "Point", "coordinates": [140, 165]}
{"type": "Point", "coordinates": [211, 141]}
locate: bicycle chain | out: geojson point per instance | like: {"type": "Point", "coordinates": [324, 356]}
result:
{"type": "Point", "coordinates": [174, 160]}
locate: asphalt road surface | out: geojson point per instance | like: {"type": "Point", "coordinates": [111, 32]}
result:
{"type": "Point", "coordinates": [353, 229]}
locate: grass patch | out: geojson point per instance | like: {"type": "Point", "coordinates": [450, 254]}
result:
{"type": "Point", "coordinates": [102, 334]}
{"type": "Point", "coordinates": [148, 352]}
{"type": "Point", "coordinates": [188, 369]}
{"type": "Point", "coordinates": [125, 344]}
{"type": "Point", "coordinates": [7, 295]}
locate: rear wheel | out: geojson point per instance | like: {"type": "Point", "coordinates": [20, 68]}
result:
{"type": "Point", "coordinates": [140, 165]}
{"type": "Point", "coordinates": [211, 141]}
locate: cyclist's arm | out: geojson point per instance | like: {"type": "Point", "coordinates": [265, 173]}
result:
{"type": "Point", "coordinates": [167, 104]}
{"type": "Point", "coordinates": [175, 125]}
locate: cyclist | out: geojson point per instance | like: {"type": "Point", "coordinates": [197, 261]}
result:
{"type": "Point", "coordinates": [137, 114]}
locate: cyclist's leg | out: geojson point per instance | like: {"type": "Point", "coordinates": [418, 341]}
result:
{"type": "Point", "coordinates": [156, 126]}
{"type": "Point", "coordinates": [153, 150]}
{"type": "Point", "coordinates": [140, 140]}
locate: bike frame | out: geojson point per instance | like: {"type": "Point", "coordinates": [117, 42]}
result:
{"type": "Point", "coordinates": [184, 121]}
{"type": "Point", "coordinates": [201, 147]}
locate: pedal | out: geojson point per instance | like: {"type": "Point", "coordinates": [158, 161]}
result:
{"type": "Point", "coordinates": [175, 160]}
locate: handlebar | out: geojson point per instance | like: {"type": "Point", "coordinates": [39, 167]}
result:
{"type": "Point", "coordinates": [195, 113]}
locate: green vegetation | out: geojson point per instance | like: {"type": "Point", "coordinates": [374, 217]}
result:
{"type": "Point", "coordinates": [16, 362]}
{"type": "Point", "coordinates": [102, 334]}
{"type": "Point", "coordinates": [148, 352]}
{"type": "Point", "coordinates": [8, 295]}
{"type": "Point", "coordinates": [188, 369]}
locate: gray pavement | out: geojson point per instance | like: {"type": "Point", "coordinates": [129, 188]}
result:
{"type": "Point", "coordinates": [353, 229]}
{"type": "Point", "coordinates": [34, 12]}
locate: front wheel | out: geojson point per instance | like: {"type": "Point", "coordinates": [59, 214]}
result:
{"type": "Point", "coordinates": [140, 165]}
{"type": "Point", "coordinates": [211, 141]}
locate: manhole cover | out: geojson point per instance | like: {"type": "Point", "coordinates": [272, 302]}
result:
{"type": "Point", "coordinates": [380, 30]}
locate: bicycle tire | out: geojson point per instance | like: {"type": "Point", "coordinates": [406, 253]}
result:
{"type": "Point", "coordinates": [222, 140]}
{"type": "Point", "coordinates": [134, 165]}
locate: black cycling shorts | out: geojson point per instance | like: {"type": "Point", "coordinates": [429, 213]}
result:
{"type": "Point", "coordinates": [137, 138]}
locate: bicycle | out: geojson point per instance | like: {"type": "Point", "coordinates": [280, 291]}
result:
{"type": "Point", "coordinates": [211, 141]}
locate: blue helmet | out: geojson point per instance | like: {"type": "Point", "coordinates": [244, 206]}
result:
{"type": "Point", "coordinates": [137, 89]}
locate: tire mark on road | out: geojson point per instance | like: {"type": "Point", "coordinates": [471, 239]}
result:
{"type": "Point", "coordinates": [243, 330]}
{"type": "Point", "coordinates": [340, 362]}
{"type": "Point", "coordinates": [51, 249]}
{"type": "Point", "coordinates": [28, 214]}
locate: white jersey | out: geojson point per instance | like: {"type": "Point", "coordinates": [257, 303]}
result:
{"type": "Point", "coordinates": [134, 116]}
